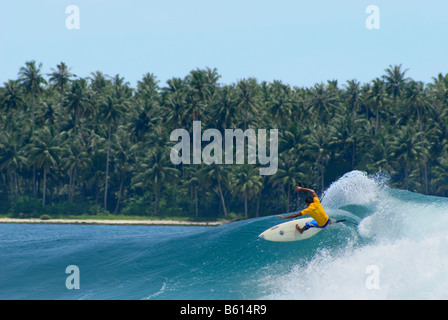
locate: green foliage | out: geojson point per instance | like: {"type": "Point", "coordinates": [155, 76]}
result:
{"type": "Point", "coordinates": [96, 146]}
{"type": "Point", "coordinates": [135, 207]}
{"type": "Point", "coordinates": [26, 207]}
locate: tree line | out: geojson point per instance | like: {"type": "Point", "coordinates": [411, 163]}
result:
{"type": "Point", "coordinates": [96, 145]}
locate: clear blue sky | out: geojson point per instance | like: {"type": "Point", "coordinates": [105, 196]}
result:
{"type": "Point", "coordinates": [297, 42]}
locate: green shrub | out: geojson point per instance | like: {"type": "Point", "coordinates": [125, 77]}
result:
{"type": "Point", "coordinates": [75, 209]}
{"type": "Point", "coordinates": [26, 207]}
{"type": "Point", "coordinates": [97, 210]}
{"type": "Point", "coordinates": [135, 207]}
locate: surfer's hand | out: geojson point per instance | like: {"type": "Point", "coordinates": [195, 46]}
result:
{"type": "Point", "coordinates": [281, 217]}
{"type": "Point", "coordinates": [298, 188]}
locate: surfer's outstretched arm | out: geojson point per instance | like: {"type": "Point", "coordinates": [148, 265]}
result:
{"type": "Point", "coordinates": [311, 191]}
{"type": "Point", "coordinates": [298, 214]}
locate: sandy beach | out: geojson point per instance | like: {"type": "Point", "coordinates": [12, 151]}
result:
{"type": "Point", "coordinates": [114, 222]}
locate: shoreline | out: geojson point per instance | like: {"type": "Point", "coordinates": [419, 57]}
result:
{"type": "Point", "coordinates": [113, 222]}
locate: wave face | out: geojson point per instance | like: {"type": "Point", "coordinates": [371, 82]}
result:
{"type": "Point", "coordinates": [393, 245]}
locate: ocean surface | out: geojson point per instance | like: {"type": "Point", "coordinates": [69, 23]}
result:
{"type": "Point", "coordinates": [393, 245]}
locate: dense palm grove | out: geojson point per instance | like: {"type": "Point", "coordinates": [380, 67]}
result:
{"type": "Point", "coordinates": [94, 145]}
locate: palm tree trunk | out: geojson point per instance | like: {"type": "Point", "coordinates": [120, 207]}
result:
{"type": "Point", "coordinates": [60, 112]}
{"type": "Point", "coordinates": [107, 170]}
{"type": "Point", "coordinates": [5, 182]}
{"type": "Point", "coordinates": [157, 200]}
{"type": "Point", "coordinates": [119, 195]}
{"type": "Point", "coordinates": [196, 201]}
{"type": "Point", "coordinates": [425, 168]}
{"type": "Point", "coordinates": [376, 119]}
{"type": "Point", "coordinates": [45, 186]}
{"type": "Point", "coordinates": [353, 154]}
{"type": "Point", "coordinates": [32, 114]}
{"type": "Point", "coordinates": [259, 198]}
{"type": "Point", "coordinates": [11, 186]}
{"type": "Point", "coordinates": [75, 173]}
{"type": "Point", "coordinates": [322, 179]}
{"type": "Point", "coordinates": [222, 199]}
{"type": "Point", "coordinates": [245, 207]}
{"type": "Point", "coordinates": [406, 175]}
{"type": "Point", "coordinates": [34, 182]}
{"type": "Point", "coordinates": [97, 196]}
{"type": "Point", "coordinates": [16, 184]}
{"type": "Point", "coordinates": [257, 214]}
{"type": "Point", "coordinates": [70, 186]}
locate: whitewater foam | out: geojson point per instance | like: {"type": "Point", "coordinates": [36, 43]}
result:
{"type": "Point", "coordinates": [406, 247]}
{"type": "Point", "coordinates": [393, 245]}
{"type": "Point", "coordinates": [354, 188]}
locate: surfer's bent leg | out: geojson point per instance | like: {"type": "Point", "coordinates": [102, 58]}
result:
{"type": "Point", "coordinates": [308, 225]}
{"type": "Point", "coordinates": [301, 230]}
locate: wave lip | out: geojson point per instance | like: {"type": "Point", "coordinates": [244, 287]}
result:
{"type": "Point", "coordinates": [395, 247]}
{"type": "Point", "coordinates": [401, 245]}
{"type": "Point", "coordinates": [354, 187]}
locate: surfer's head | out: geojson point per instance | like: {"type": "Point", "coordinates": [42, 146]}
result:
{"type": "Point", "coordinates": [309, 200]}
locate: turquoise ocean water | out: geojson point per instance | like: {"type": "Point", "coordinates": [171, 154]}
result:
{"type": "Point", "coordinates": [394, 245]}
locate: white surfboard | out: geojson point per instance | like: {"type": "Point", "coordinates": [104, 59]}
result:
{"type": "Point", "coordinates": [286, 231]}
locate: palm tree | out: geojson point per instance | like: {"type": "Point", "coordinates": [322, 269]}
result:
{"type": "Point", "coordinates": [353, 95]}
{"type": "Point", "coordinates": [416, 98]}
{"type": "Point", "coordinates": [76, 160]}
{"type": "Point", "coordinates": [247, 99]}
{"type": "Point", "coordinates": [31, 80]}
{"type": "Point", "coordinates": [123, 159]}
{"type": "Point", "coordinates": [288, 176]}
{"type": "Point", "coordinates": [12, 159]}
{"type": "Point", "coordinates": [291, 140]}
{"type": "Point", "coordinates": [395, 81]}
{"type": "Point", "coordinates": [11, 99]}
{"type": "Point", "coordinates": [216, 175]}
{"type": "Point", "coordinates": [78, 101]}
{"type": "Point", "coordinates": [247, 184]}
{"type": "Point", "coordinates": [201, 88]}
{"type": "Point", "coordinates": [346, 132]}
{"type": "Point", "coordinates": [112, 108]}
{"type": "Point", "coordinates": [438, 91]}
{"type": "Point", "coordinates": [225, 108]}
{"type": "Point", "coordinates": [110, 113]}
{"type": "Point", "coordinates": [174, 100]}
{"type": "Point", "coordinates": [155, 170]}
{"type": "Point", "coordinates": [317, 151]}
{"type": "Point", "coordinates": [440, 183]}
{"type": "Point", "coordinates": [377, 97]}
{"type": "Point", "coordinates": [191, 180]}
{"type": "Point", "coordinates": [323, 100]}
{"type": "Point", "coordinates": [99, 83]}
{"type": "Point", "coordinates": [60, 78]}
{"type": "Point", "coordinates": [280, 103]}
{"type": "Point", "coordinates": [148, 89]}
{"type": "Point", "coordinates": [45, 154]}
{"type": "Point", "coordinates": [94, 175]}
{"type": "Point", "coordinates": [406, 149]}
{"type": "Point", "coordinates": [203, 83]}
{"type": "Point", "coordinates": [144, 117]}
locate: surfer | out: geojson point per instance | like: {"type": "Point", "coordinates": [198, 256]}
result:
{"type": "Point", "coordinates": [314, 209]}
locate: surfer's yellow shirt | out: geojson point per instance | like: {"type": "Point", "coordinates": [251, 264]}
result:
{"type": "Point", "coordinates": [317, 212]}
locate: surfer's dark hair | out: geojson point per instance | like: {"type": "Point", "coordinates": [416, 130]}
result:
{"type": "Point", "coordinates": [309, 200]}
